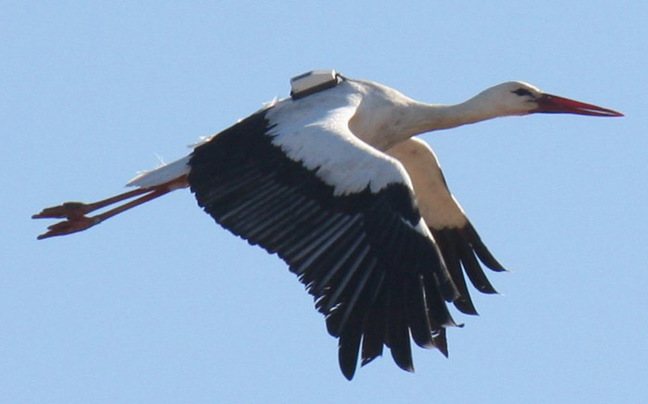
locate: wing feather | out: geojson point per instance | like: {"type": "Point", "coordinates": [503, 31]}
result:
{"type": "Point", "coordinates": [354, 240]}
{"type": "Point", "coordinates": [458, 241]}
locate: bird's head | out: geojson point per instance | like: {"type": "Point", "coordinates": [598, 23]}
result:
{"type": "Point", "coordinates": [519, 98]}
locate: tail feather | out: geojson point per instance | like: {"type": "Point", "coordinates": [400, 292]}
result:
{"type": "Point", "coordinates": [162, 174]}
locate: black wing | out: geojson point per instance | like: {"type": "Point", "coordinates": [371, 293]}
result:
{"type": "Point", "coordinates": [458, 241]}
{"type": "Point", "coordinates": [373, 273]}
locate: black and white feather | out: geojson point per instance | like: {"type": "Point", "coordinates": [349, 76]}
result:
{"type": "Point", "coordinates": [457, 239]}
{"type": "Point", "coordinates": [342, 215]}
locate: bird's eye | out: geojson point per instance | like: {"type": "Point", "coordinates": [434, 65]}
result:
{"type": "Point", "coordinates": [522, 91]}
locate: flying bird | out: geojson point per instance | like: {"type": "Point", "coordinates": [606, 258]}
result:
{"type": "Point", "coordinates": [332, 180]}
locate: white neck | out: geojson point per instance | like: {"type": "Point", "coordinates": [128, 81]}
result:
{"type": "Point", "coordinates": [421, 117]}
{"type": "Point", "coordinates": [392, 117]}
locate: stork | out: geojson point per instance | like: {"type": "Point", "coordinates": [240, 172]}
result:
{"type": "Point", "coordinates": [333, 182]}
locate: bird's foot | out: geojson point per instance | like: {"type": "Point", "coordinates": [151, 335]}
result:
{"type": "Point", "coordinates": [74, 224]}
{"type": "Point", "coordinates": [74, 212]}
{"type": "Point", "coordinates": [67, 210]}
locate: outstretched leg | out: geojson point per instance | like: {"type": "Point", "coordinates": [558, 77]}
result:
{"type": "Point", "coordinates": [75, 212]}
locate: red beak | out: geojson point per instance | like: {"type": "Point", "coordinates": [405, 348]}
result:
{"type": "Point", "coordinates": [552, 104]}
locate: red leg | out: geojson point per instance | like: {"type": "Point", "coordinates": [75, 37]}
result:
{"type": "Point", "coordinates": [74, 209]}
{"type": "Point", "coordinates": [75, 212]}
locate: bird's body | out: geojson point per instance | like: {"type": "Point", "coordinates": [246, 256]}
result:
{"type": "Point", "coordinates": [333, 182]}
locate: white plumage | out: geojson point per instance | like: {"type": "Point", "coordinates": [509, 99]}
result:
{"type": "Point", "coordinates": [332, 182]}
{"type": "Point", "coordinates": [161, 175]}
{"type": "Point", "coordinates": [340, 158]}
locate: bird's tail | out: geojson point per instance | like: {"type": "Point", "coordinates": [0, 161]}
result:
{"type": "Point", "coordinates": [161, 175]}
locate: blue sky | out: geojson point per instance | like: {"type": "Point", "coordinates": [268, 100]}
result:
{"type": "Point", "coordinates": [162, 305]}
